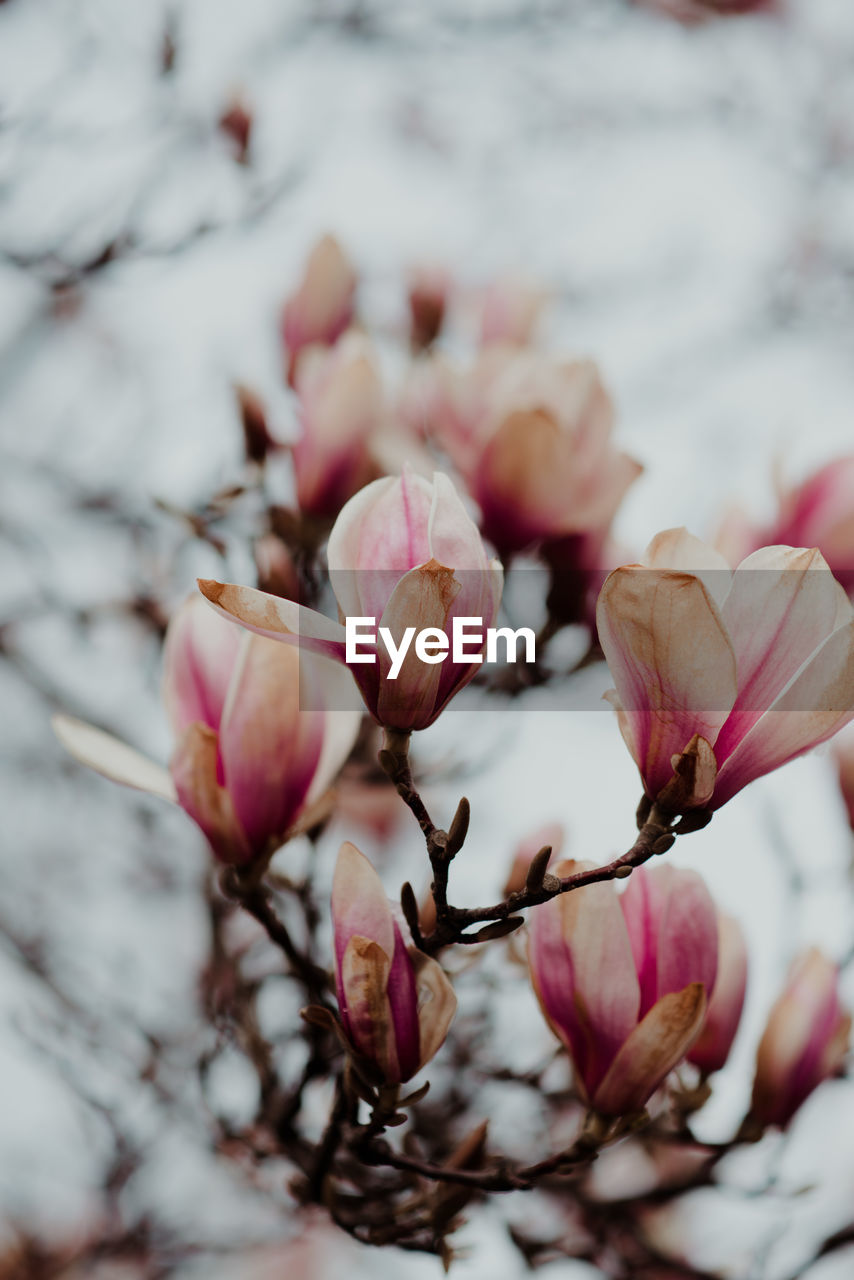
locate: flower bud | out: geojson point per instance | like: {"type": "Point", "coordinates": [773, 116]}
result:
{"type": "Point", "coordinates": [340, 406]}
{"type": "Point", "coordinates": [711, 1048]}
{"type": "Point", "coordinates": [623, 979]}
{"type": "Point", "coordinates": [706, 661]}
{"type": "Point", "coordinates": [510, 310]}
{"type": "Point", "coordinates": [428, 297]}
{"type": "Point", "coordinates": [235, 123]}
{"type": "Point", "coordinates": [396, 1003]}
{"type": "Point", "coordinates": [552, 835]}
{"type": "Point", "coordinates": [321, 308]}
{"type": "Point", "coordinates": [805, 1041]}
{"type": "Point", "coordinates": [820, 513]}
{"type": "Point", "coordinates": [248, 761]}
{"type": "Point", "coordinates": [532, 438]}
{"type": "Point", "coordinates": [404, 552]}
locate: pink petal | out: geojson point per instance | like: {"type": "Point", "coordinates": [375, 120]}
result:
{"type": "Point", "coordinates": [403, 1008]}
{"type": "Point", "coordinates": [711, 1048]}
{"type": "Point", "coordinates": [817, 703]}
{"type": "Point", "coordinates": [672, 663]}
{"type": "Point", "coordinates": [782, 606]}
{"type": "Point", "coordinates": [269, 747]}
{"type": "Point", "coordinates": [688, 933]}
{"type": "Point", "coordinates": [584, 975]}
{"type": "Point", "coordinates": [806, 1021]}
{"type": "Point", "coordinates": [198, 657]}
{"type": "Point", "coordinates": [275, 618]}
{"type": "Point", "coordinates": [655, 1047]}
{"type": "Point", "coordinates": [359, 903]}
{"type": "Point", "coordinates": [642, 904]}
{"type": "Point", "coordinates": [680, 550]}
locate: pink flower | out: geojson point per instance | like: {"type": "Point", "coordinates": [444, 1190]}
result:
{"type": "Point", "coordinates": [321, 308]}
{"type": "Point", "coordinates": [532, 439]}
{"type": "Point", "coordinates": [248, 762]}
{"type": "Point", "coordinates": [403, 552]}
{"type": "Point", "coordinates": [819, 512]}
{"type": "Point", "coordinates": [623, 979]}
{"type": "Point", "coordinates": [395, 1002]}
{"type": "Point", "coordinates": [741, 670]}
{"type": "Point", "coordinates": [805, 1041]}
{"type": "Point", "coordinates": [340, 407]}
{"type": "Point", "coordinates": [510, 310]}
{"type": "Point", "coordinates": [711, 1048]}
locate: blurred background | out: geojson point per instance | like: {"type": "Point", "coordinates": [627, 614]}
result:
{"type": "Point", "coordinates": [683, 194]}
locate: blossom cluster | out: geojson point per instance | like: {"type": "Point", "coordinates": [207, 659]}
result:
{"type": "Point", "coordinates": [412, 508]}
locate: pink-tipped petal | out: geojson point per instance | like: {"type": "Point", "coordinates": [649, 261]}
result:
{"type": "Point", "coordinates": [712, 1047]}
{"type": "Point", "coordinates": [275, 618]}
{"type": "Point", "coordinates": [671, 661]}
{"type": "Point", "coordinates": [198, 657]}
{"type": "Point", "coordinates": [688, 934]}
{"type": "Point", "coordinates": [783, 605]}
{"type": "Point", "coordinates": [269, 746]}
{"type": "Point", "coordinates": [359, 903]}
{"type": "Point", "coordinates": [403, 1008]}
{"type": "Point", "coordinates": [583, 971]}
{"type": "Point", "coordinates": [816, 704]}
{"type": "Point", "coordinates": [804, 1040]}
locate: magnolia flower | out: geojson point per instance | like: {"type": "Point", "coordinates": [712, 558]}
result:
{"type": "Point", "coordinates": [321, 308]}
{"type": "Point", "coordinates": [805, 1041]}
{"type": "Point", "coordinates": [404, 552]}
{"type": "Point", "coordinates": [738, 671]}
{"type": "Point", "coordinates": [624, 979]}
{"type": "Point", "coordinates": [510, 311]}
{"type": "Point", "coordinates": [711, 1048]}
{"type": "Point", "coordinates": [340, 406]}
{"type": "Point", "coordinates": [819, 512]}
{"type": "Point", "coordinates": [395, 1002]}
{"type": "Point", "coordinates": [532, 439]}
{"type": "Point", "coordinates": [248, 761]}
